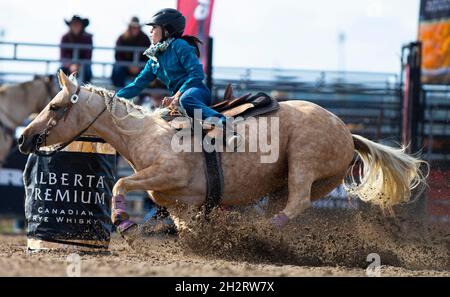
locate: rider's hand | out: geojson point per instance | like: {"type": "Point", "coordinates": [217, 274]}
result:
{"type": "Point", "coordinates": [173, 100]}
{"type": "Point", "coordinates": [176, 99]}
{"type": "Point", "coordinates": [167, 101]}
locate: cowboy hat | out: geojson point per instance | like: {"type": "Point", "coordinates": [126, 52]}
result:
{"type": "Point", "coordinates": [135, 22]}
{"type": "Point", "coordinates": [77, 18]}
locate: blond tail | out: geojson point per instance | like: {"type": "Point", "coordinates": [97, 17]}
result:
{"type": "Point", "coordinates": [388, 175]}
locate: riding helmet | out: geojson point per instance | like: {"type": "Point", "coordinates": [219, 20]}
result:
{"type": "Point", "coordinates": [170, 19]}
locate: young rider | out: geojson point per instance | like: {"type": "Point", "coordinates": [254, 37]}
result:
{"type": "Point", "coordinates": [173, 58]}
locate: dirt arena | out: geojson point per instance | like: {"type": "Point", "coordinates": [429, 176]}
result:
{"type": "Point", "coordinates": [320, 243]}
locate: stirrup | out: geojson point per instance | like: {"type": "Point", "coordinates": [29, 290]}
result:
{"type": "Point", "coordinates": [233, 142]}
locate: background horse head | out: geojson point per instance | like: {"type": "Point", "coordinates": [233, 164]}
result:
{"type": "Point", "coordinates": [17, 102]}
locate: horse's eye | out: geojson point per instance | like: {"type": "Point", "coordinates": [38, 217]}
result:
{"type": "Point", "coordinates": [53, 107]}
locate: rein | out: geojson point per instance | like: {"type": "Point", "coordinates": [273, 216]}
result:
{"type": "Point", "coordinates": [62, 115]}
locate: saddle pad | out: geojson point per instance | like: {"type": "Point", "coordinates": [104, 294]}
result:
{"type": "Point", "coordinates": [250, 110]}
{"type": "Point", "coordinates": [253, 112]}
{"type": "Point", "coordinates": [237, 110]}
{"type": "Point", "coordinates": [235, 102]}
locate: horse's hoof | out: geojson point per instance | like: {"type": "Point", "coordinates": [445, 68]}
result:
{"type": "Point", "coordinates": [280, 220]}
{"type": "Point", "coordinates": [125, 225]}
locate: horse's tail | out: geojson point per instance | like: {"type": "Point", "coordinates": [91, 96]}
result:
{"type": "Point", "coordinates": [388, 175]}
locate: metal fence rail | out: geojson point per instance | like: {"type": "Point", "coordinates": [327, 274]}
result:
{"type": "Point", "coordinates": [52, 62]}
{"type": "Point", "coordinates": [23, 52]}
{"type": "Point", "coordinates": [435, 132]}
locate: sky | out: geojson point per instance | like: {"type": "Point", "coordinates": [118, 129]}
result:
{"type": "Point", "coordinates": [294, 34]}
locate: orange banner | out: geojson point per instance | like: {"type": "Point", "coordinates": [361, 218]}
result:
{"type": "Point", "coordinates": [434, 33]}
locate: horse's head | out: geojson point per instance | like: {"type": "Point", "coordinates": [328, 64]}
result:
{"type": "Point", "coordinates": [48, 81]}
{"type": "Point", "coordinates": [59, 121]}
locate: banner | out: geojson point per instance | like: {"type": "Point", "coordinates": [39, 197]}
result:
{"type": "Point", "coordinates": [434, 33]}
{"type": "Point", "coordinates": [68, 196]}
{"type": "Point", "coordinates": [198, 15]}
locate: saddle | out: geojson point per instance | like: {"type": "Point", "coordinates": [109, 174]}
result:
{"type": "Point", "coordinates": [245, 106]}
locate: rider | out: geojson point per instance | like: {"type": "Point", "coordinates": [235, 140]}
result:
{"type": "Point", "coordinates": [173, 58]}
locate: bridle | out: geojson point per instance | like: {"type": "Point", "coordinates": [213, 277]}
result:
{"type": "Point", "coordinates": [62, 114]}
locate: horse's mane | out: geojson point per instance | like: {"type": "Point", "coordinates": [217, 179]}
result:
{"type": "Point", "coordinates": [128, 107]}
{"type": "Point", "coordinates": [131, 108]}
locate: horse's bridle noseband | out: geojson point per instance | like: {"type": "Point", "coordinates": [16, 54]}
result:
{"type": "Point", "coordinates": [62, 115]}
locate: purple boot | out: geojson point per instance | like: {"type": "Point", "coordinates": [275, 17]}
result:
{"type": "Point", "coordinates": [119, 216]}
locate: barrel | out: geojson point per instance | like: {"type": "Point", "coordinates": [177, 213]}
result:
{"type": "Point", "coordinates": [68, 196]}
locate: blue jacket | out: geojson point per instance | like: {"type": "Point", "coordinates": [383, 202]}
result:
{"type": "Point", "coordinates": [178, 68]}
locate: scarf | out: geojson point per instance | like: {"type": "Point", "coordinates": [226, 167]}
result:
{"type": "Point", "coordinates": [154, 49]}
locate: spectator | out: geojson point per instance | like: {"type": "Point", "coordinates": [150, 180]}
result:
{"type": "Point", "coordinates": [132, 37]}
{"type": "Point", "coordinates": [77, 35]}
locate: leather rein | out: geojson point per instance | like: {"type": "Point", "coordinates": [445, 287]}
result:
{"type": "Point", "coordinates": [62, 115]}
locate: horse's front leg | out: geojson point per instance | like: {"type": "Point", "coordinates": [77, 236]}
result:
{"type": "Point", "coordinates": [155, 177]}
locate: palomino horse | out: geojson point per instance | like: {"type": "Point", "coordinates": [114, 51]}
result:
{"type": "Point", "coordinates": [17, 102]}
{"type": "Point", "coordinates": [315, 151]}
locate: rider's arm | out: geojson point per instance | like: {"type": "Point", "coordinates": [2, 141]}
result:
{"type": "Point", "coordinates": [140, 83]}
{"type": "Point", "coordinates": [191, 64]}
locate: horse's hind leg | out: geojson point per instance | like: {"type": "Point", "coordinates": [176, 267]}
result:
{"type": "Point", "coordinates": [299, 198]}
{"type": "Point", "coordinates": [322, 187]}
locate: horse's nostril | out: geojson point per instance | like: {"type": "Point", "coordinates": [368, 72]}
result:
{"type": "Point", "coordinates": [21, 139]}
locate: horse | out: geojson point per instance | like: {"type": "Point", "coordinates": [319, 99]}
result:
{"type": "Point", "coordinates": [19, 101]}
{"type": "Point", "coordinates": [316, 152]}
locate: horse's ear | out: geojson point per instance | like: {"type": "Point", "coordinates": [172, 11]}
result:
{"type": "Point", "coordinates": [49, 78]}
{"type": "Point", "coordinates": [61, 80]}
{"type": "Point", "coordinates": [65, 82]}
{"type": "Point", "coordinates": [73, 78]}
